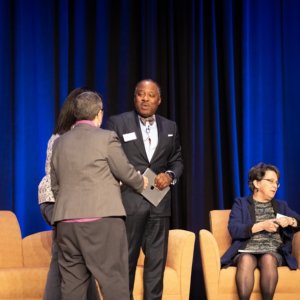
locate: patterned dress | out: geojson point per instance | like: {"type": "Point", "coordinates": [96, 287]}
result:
{"type": "Point", "coordinates": [264, 242]}
{"type": "Point", "coordinates": [44, 190]}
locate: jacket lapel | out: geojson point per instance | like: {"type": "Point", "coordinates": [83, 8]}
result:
{"type": "Point", "coordinates": [251, 209]}
{"type": "Point", "coordinates": [133, 125]}
{"type": "Point", "coordinates": [160, 140]}
{"type": "Point", "coordinates": [275, 207]}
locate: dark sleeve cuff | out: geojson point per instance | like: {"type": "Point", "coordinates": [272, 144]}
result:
{"type": "Point", "coordinates": [173, 176]}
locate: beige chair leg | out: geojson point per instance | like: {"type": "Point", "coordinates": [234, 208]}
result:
{"type": "Point", "coordinates": [296, 247]}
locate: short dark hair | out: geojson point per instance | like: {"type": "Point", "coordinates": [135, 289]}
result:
{"type": "Point", "coordinates": [258, 172]}
{"type": "Point", "coordinates": [150, 80]}
{"type": "Point", "coordinates": [87, 105]}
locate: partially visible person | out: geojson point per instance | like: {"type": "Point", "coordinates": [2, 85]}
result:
{"type": "Point", "coordinates": [149, 141]}
{"type": "Point", "coordinates": [262, 230]}
{"type": "Point", "coordinates": [86, 167]}
{"type": "Point", "coordinates": [65, 121]}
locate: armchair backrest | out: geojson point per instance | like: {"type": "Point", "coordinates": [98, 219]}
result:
{"type": "Point", "coordinates": [218, 226]}
{"type": "Point", "coordinates": [11, 241]}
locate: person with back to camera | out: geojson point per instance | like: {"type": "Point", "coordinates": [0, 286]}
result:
{"type": "Point", "coordinates": [262, 230]}
{"type": "Point", "coordinates": [65, 121]}
{"type": "Point", "coordinates": [149, 141]}
{"type": "Point", "coordinates": [86, 167]}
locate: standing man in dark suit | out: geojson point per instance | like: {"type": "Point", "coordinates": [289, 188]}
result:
{"type": "Point", "coordinates": [86, 167]}
{"type": "Point", "coordinates": [149, 141]}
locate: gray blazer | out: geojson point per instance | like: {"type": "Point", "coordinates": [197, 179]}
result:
{"type": "Point", "coordinates": [87, 166]}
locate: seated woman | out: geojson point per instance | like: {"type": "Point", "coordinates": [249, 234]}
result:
{"type": "Point", "coordinates": [262, 230]}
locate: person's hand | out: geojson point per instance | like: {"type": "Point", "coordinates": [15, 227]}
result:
{"type": "Point", "coordinates": [162, 180]}
{"type": "Point", "coordinates": [146, 182]}
{"type": "Point", "coordinates": [270, 225]}
{"type": "Point", "coordinates": [285, 221]}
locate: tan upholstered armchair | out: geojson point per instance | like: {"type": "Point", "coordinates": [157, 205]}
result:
{"type": "Point", "coordinates": [220, 283]}
{"type": "Point", "coordinates": [24, 263]}
{"type": "Point", "coordinates": [177, 277]}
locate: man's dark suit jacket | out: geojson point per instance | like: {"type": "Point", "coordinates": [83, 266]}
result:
{"type": "Point", "coordinates": [167, 156]}
{"type": "Point", "coordinates": [242, 218]}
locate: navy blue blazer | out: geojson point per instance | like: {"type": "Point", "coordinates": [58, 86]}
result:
{"type": "Point", "coordinates": [241, 220]}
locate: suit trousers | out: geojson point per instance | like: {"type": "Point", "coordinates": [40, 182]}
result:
{"type": "Point", "coordinates": [98, 248]}
{"type": "Point", "coordinates": [150, 233]}
{"type": "Point", "coordinates": [53, 282]}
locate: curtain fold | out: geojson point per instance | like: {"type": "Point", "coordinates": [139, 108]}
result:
{"type": "Point", "coordinates": [228, 72]}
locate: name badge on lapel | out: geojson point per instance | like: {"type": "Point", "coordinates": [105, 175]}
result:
{"type": "Point", "coordinates": [129, 137]}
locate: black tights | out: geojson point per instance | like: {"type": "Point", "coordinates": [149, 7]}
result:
{"type": "Point", "coordinates": [246, 264]}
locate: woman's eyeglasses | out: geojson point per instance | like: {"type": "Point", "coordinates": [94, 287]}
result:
{"type": "Point", "coordinates": [272, 182]}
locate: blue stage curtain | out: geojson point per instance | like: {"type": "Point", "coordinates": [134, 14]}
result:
{"type": "Point", "coordinates": [229, 73]}
{"type": "Point", "coordinates": [6, 107]}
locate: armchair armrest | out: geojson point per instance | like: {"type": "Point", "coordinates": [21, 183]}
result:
{"type": "Point", "coordinates": [37, 249]}
{"type": "Point", "coordinates": [211, 264]}
{"type": "Point", "coordinates": [296, 247]}
{"type": "Point", "coordinates": [180, 257]}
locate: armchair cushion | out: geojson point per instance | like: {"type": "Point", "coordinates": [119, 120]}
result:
{"type": "Point", "coordinates": [22, 283]}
